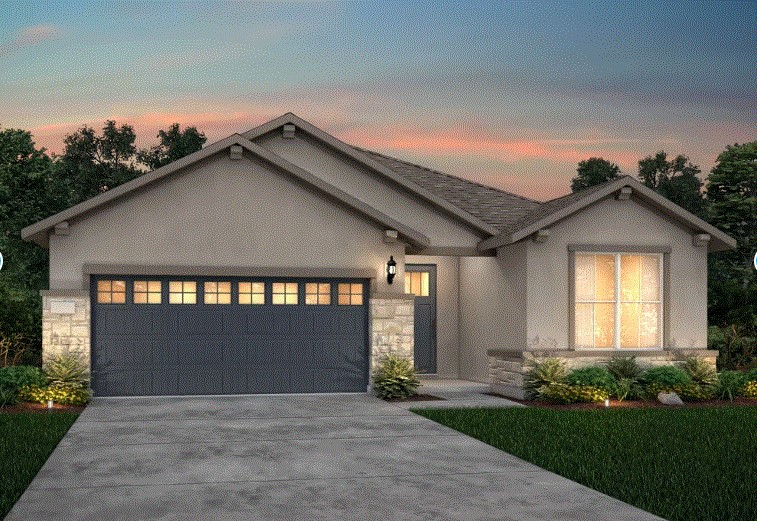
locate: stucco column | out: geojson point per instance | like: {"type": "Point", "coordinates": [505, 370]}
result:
{"type": "Point", "coordinates": [392, 326]}
{"type": "Point", "coordinates": [66, 323]}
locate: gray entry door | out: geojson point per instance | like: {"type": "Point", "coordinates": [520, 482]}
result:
{"type": "Point", "coordinates": [420, 280]}
{"type": "Point", "coordinates": [156, 335]}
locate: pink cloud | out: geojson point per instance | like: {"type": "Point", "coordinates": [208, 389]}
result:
{"type": "Point", "coordinates": [28, 37]}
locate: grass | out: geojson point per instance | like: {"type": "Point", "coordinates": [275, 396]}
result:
{"type": "Point", "coordinates": [681, 464]}
{"type": "Point", "coordinates": [26, 441]}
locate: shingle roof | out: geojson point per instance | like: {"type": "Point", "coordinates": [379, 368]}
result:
{"type": "Point", "coordinates": [495, 207]}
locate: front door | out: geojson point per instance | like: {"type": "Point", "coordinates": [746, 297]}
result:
{"type": "Point", "coordinates": [420, 280]}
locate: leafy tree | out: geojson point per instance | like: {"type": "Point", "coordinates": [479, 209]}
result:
{"type": "Point", "coordinates": [92, 163]}
{"type": "Point", "coordinates": [732, 197]}
{"type": "Point", "coordinates": [594, 171]}
{"type": "Point", "coordinates": [174, 144]}
{"type": "Point", "coordinates": [675, 180]}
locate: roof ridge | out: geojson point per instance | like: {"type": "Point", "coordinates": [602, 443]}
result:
{"type": "Point", "coordinates": [446, 174]}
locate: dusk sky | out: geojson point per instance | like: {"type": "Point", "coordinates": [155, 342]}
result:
{"type": "Point", "coordinates": [512, 94]}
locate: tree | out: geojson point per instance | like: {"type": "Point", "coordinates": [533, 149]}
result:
{"type": "Point", "coordinates": [732, 197]}
{"type": "Point", "coordinates": [675, 180]}
{"type": "Point", "coordinates": [174, 144]}
{"type": "Point", "coordinates": [92, 164]}
{"type": "Point", "coordinates": [594, 171]}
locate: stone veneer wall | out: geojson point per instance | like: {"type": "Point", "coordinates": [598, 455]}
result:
{"type": "Point", "coordinates": [507, 368]}
{"type": "Point", "coordinates": [66, 323]}
{"type": "Point", "coordinates": [392, 327]}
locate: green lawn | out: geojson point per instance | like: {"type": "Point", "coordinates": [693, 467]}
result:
{"type": "Point", "coordinates": [681, 464]}
{"type": "Point", "coordinates": [26, 441]}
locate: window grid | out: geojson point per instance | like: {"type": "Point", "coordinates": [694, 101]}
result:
{"type": "Point", "coordinates": [284, 293]}
{"type": "Point", "coordinates": [182, 292]}
{"type": "Point", "coordinates": [111, 292]}
{"type": "Point", "coordinates": [217, 293]}
{"type": "Point", "coordinates": [147, 292]}
{"type": "Point", "coordinates": [251, 293]}
{"type": "Point", "coordinates": [417, 283]}
{"type": "Point", "coordinates": [350, 294]}
{"type": "Point", "coordinates": [317, 293]}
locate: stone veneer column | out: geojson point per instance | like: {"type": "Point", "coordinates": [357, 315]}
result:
{"type": "Point", "coordinates": [66, 323]}
{"type": "Point", "coordinates": [392, 326]}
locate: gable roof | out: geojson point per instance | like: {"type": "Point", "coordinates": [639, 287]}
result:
{"type": "Point", "coordinates": [371, 162]}
{"type": "Point", "coordinates": [551, 212]}
{"type": "Point", "coordinates": [38, 232]}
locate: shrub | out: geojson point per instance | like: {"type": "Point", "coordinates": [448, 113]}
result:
{"type": "Point", "coordinates": [751, 375]}
{"type": "Point", "coordinates": [664, 378]}
{"type": "Point", "coordinates": [729, 383]}
{"type": "Point", "coordinates": [749, 389]}
{"type": "Point", "coordinates": [624, 367]}
{"type": "Point", "coordinates": [627, 388]}
{"type": "Point", "coordinates": [593, 377]}
{"type": "Point", "coordinates": [694, 392]}
{"type": "Point", "coordinates": [8, 396]}
{"type": "Point", "coordinates": [563, 393]}
{"type": "Point", "coordinates": [16, 376]}
{"type": "Point", "coordinates": [544, 372]}
{"type": "Point", "coordinates": [700, 370]}
{"type": "Point", "coordinates": [395, 378]}
{"type": "Point", "coordinates": [67, 371]}
{"type": "Point", "coordinates": [736, 344]}
{"type": "Point", "coordinates": [64, 394]}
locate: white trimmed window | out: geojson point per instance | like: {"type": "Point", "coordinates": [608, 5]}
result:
{"type": "Point", "coordinates": [618, 300]}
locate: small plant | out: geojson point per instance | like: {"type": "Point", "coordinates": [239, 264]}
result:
{"type": "Point", "coordinates": [749, 389]}
{"type": "Point", "coordinates": [700, 370]}
{"type": "Point", "coordinates": [664, 378]}
{"type": "Point", "coordinates": [627, 388]}
{"type": "Point", "coordinates": [544, 372]}
{"type": "Point", "coordinates": [17, 376]}
{"type": "Point", "coordinates": [62, 394]}
{"type": "Point", "coordinates": [67, 370]}
{"type": "Point", "coordinates": [8, 396]}
{"type": "Point", "coordinates": [592, 376]}
{"type": "Point", "coordinates": [728, 384]}
{"type": "Point", "coordinates": [624, 367]}
{"type": "Point", "coordinates": [565, 394]}
{"type": "Point", "coordinates": [694, 392]}
{"type": "Point", "coordinates": [395, 379]}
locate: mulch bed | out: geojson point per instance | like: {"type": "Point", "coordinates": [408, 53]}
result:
{"type": "Point", "coordinates": [418, 398]}
{"type": "Point", "coordinates": [633, 404]}
{"type": "Point", "coordinates": [39, 408]}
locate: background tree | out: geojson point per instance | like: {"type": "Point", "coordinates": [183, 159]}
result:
{"type": "Point", "coordinates": [675, 180]}
{"type": "Point", "coordinates": [174, 144]}
{"type": "Point", "coordinates": [594, 171]}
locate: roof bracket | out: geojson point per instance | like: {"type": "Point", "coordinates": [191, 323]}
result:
{"type": "Point", "coordinates": [390, 236]}
{"type": "Point", "coordinates": [235, 152]}
{"type": "Point", "coordinates": [701, 239]}
{"type": "Point", "coordinates": [287, 131]}
{"type": "Point", "coordinates": [624, 194]}
{"type": "Point", "coordinates": [542, 235]}
{"type": "Point", "coordinates": [62, 228]}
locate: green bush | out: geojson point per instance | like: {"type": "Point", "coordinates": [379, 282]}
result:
{"type": "Point", "coordinates": [729, 383]}
{"type": "Point", "coordinates": [736, 344]}
{"type": "Point", "coordinates": [16, 376]}
{"type": "Point", "coordinates": [395, 378]}
{"type": "Point", "coordinates": [69, 371]}
{"type": "Point", "coordinates": [64, 394]}
{"type": "Point", "coordinates": [694, 392]}
{"type": "Point", "coordinates": [700, 370]}
{"type": "Point", "coordinates": [544, 372]}
{"type": "Point", "coordinates": [749, 389]}
{"type": "Point", "coordinates": [593, 377]}
{"type": "Point", "coordinates": [8, 396]}
{"type": "Point", "coordinates": [565, 394]}
{"type": "Point", "coordinates": [664, 378]}
{"type": "Point", "coordinates": [624, 367]}
{"type": "Point", "coordinates": [627, 388]}
{"type": "Point", "coordinates": [751, 375]}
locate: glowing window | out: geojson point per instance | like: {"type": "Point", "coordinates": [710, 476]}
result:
{"type": "Point", "coordinates": [618, 300]}
{"type": "Point", "coordinates": [317, 293]}
{"type": "Point", "coordinates": [111, 292]}
{"type": "Point", "coordinates": [350, 294]}
{"type": "Point", "coordinates": [182, 292]}
{"type": "Point", "coordinates": [147, 291]}
{"type": "Point", "coordinates": [217, 292]}
{"type": "Point", "coordinates": [284, 293]}
{"type": "Point", "coordinates": [416, 283]}
{"type": "Point", "coordinates": [252, 292]}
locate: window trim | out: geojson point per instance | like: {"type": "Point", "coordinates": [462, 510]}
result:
{"type": "Point", "coordinates": [664, 254]}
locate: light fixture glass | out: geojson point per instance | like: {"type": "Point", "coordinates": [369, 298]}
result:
{"type": "Point", "coordinates": [391, 269]}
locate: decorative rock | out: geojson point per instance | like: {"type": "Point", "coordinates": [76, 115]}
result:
{"type": "Point", "coordinates": [669, 399]}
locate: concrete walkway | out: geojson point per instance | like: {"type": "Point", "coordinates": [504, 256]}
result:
{"type": "Point", "coordinates": [298, 457]}
{"type": "Point", "coordinates": [456, 394]}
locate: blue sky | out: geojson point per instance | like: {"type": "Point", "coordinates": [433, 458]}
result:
{"type": "Point", "coordinates": [513, 94]}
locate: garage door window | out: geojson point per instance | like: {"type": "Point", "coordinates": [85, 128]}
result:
{"type": "Point", "coordinates": [350, 294]}
{"type": "Point", "coordinates": [318, 293]}
{"type": "Point", "coordinates": [182, 292]}
{"type": "Point", "coordinates": [284, 293]}
{"type": "Point", "coordinates": [252, 292]}
{"type": "Point", "coordinates": [147, 291]}
{"type": "Point", "coordinates": [217, 292]}
{"type": "Point", "coordinates": [111, 292]}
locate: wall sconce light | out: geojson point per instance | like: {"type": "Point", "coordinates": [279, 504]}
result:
{"type": "Point", "coordinates": [391, 269]}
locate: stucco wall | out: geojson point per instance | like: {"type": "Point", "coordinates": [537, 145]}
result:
{"type": "Point", "coordinates": [224, 213]}
{"type": "Point", "coordinates": [447, 296]}
{"type": "Point", "coordinates": [492, 308]}
{"type": "Point", "coordinates": [612, 222]}
{"type": "Point", "coordinates": [360, 182]}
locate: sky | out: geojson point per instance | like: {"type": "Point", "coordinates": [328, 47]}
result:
{"type": "Point", "coordinates": [510, 94]}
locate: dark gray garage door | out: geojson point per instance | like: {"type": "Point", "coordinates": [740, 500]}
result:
{"type": "Point", "coordinates": [222, 335]}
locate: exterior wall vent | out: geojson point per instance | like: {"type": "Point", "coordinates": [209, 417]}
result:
{"type": "Point", "coordinates": [235, 152]}
{"type": "Point", "coordinates": [287, 131]}
{"type": "Point", "coordinates": [701, 239]}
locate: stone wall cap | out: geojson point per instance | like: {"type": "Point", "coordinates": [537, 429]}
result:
{"type": "Point", "coordinates": [65, 293]}
{"type": "Point", "coordinates": [639, 353]}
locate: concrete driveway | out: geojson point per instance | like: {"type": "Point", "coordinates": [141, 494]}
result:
{"type": "Point", "coordinates": [300, 457]}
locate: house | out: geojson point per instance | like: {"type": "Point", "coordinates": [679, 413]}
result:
{"type": "Point", "coordinates": [265, 263]}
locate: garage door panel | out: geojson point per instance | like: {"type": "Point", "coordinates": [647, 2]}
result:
{"type": "Point", "coordinates": [235, 381]}
{"type": "Point", "coordinates": [200, 380]}
{"type": "Point", "coordinates": [198, 321]}
{"type": "Point", "coordinates": [235, 352]}
{"type": "Point", "coordinates": [165, 382]}
{"type": "Point", "coordinates": [271, 379]}
{"type": "Point", "coordinates": [122, 382]}
{"type": "Point", "coordinates": [265, 351]}
{"type": "Point", "coordinates": [168, 353]}
{"type": "Point", "coordinates": [200, 350]}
